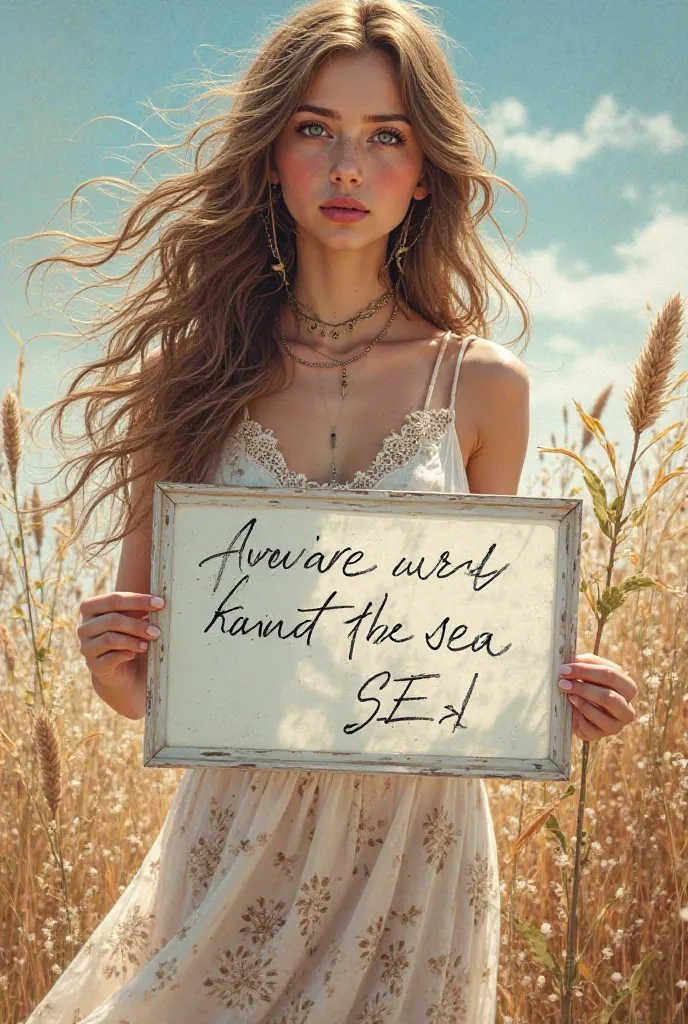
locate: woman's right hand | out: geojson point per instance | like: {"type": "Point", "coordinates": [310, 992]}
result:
{"type": "Point", "coordinates": [113, 631]}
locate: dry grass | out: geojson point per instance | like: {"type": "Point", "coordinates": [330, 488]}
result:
{"type": "Point", "coordinates": [78, 811]}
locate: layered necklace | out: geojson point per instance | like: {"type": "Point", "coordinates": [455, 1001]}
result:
{"type": "Point", "coordinates": [302, 314]}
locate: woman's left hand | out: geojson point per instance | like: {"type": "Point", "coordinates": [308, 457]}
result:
{"type": "Point", "coordinates": [600, 693]}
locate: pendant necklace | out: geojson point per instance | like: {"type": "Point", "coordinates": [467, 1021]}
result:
{"type": "Point", "coordinates": [342, 364]}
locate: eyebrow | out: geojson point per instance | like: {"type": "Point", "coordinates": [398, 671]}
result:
{"type": "Point", "coordinates": [326, 112]}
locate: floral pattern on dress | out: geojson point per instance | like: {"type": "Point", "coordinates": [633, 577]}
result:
{"type": "Point", "coordinates": [479, 886]}
{"type": "Point", "coordinates": [451, 1009]}
{"type": "Point", "coordinates": [297, 1013]}
{"type": "Point", "coordinates": [440, 836]}
{"type": "Point", "coordinates": [245, 978]}
{"type": "Point", "coordinates": [370, 940]}
{"type": "Point", "coordinates": [312, 905]}
{"type": "Point", "coordinates": [286, 864]}
{"type": "Point", "coordinates": [375, 1011]}
{"type": "Point", "coordinates": [264, 919]}
{"type": "Point", "coordinates": [206, 851]}
{"type": "Point", "coordinates": [128, 943]}
{"type": "Point", "coordinates": [397, 962]}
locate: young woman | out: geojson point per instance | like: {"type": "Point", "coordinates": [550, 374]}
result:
{"type": "Point", "coordinates": [321, 316]}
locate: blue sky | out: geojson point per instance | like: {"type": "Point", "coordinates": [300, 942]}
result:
{"type": "Point", "coordinates": [587, 105]}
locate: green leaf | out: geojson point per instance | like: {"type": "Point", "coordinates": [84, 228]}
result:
{"type": "Point", "coordinates": [537, 943]}
{"type": "Point", "coordinates": [615, 508]}
{"type": "Point", "coordinates": [41, 653]}
{"type": "Point", "coordinates": [552, 825]}
{"type": "Point", "coordinates": [599, 500]}
{"type": "Point", "coordinates": [638, 515]}
{"type": "Point", "coordinates": [613, 597]}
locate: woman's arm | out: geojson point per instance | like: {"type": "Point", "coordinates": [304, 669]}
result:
{"type": "Point", "coordinates": [498, 392]}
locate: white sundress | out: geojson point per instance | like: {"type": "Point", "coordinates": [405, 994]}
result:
{"type": "Point", "coordinates": [319, 897]}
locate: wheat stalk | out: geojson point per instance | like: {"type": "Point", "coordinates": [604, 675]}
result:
{"type": "Point", "coordinates": [37, 519]}
{"type": "Point", "coordinates": [645, 399]}
{"type": "Point", "coordinates": [47, 743]}
{"type": "Point", "coordinates": [7, 646]}
{"type": "Point", "coordinates": [11, 435]}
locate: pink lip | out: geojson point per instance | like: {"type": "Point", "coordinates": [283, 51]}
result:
{"type": "Point", "coordinates": [343, 215]}
{"type": "Point", "coordinates": [346, 203]}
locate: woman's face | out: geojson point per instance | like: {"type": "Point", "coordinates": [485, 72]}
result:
{"type": "Point", "coordinates": [320, 156]}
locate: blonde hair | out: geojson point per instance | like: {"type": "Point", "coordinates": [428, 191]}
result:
{"type": "Point", "coordinates": [211, 298]}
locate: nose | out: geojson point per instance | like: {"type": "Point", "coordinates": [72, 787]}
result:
{"type": "Point", "coordinates": [346, 165]}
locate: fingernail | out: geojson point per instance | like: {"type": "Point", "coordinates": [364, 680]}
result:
{"type": "Point", "coordinates": [565, 684]}
{"type": "Point", "coordinates": [565, 669]}
{"type": "Point", "coordinates": [153, 631]}
{"type": "Point", "coordinates": [576, 701]}
{"type": "Point", "coordinates": [157, 602]}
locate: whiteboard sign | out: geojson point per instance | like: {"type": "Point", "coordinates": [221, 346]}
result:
{"type": "Point", "coordinates": [362, 630]}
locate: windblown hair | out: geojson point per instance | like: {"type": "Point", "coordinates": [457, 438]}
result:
{"type": "Point", "coordinates": [190, 346]}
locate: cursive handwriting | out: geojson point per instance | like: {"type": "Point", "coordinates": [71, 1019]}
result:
{"type": "Point", "coordinates": [278, 559]}
{"type": "Point", "coordinates": [443, 568]}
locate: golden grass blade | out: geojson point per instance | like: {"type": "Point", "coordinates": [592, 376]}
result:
{"type": "Point", "coordinates": [592, 427]}
{"type": "Point", "coordinates": [661, 481]}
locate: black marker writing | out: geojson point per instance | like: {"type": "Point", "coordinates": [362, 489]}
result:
{"type": "Point", "coordinates": [240, 626]}
{"type": "Point", "coordinates": [376, 633]}
{"type": "Point", "coordinates": [278, 559]}
{"type": "Point", "coordinates": [458, 724]}
{"type": "Point", "coordinates": [479, 642]}
{"type": "Point", "coordinates": [443, 568]}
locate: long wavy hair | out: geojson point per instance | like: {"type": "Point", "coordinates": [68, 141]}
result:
{"type": "Point", "coordinates": [192, 340]}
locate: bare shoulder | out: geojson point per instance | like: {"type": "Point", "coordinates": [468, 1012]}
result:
{"type": "Point", "coordinates": [494, 368]}
{"type": "Point", "coordinates": [493, 416]}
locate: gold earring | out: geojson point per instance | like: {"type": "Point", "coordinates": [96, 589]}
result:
{"type": "Point", "coordinates": [401, 248]}
{"type": "Point", "coordinates": [272, 242]}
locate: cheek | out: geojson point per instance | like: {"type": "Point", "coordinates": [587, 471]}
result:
{"type": "Point", "coordinates": [393, 180]}
{"type": "Point", "coordinates": [300, 172]}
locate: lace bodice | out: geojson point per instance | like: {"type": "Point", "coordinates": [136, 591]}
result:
{"type": "Point", "coordinates": [423, 455]}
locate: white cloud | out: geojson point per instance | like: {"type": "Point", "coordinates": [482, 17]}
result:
{"type": "Point", "coordinates": [651, 266]}
{"type": "Point", "coordinates": [543, 151]}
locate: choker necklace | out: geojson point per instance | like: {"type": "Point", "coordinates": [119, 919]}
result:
{"type": "Point", "coordinates": [342, 363]}
{"type": "Point", "coordinates": [301, 313]}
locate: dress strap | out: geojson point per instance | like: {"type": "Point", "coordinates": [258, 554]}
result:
{"type": "Point", "coordinates": [246, 415]}
{"type": "Point", "coordinates": [445, 339]}
{"type": "Point", "coordinates": [459, 360]}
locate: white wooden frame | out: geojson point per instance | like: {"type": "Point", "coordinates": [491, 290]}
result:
{"type": "Point", "coordinates": [565, 514]}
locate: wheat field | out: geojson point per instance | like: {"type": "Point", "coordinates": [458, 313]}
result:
{"type": "Point", "coordinates": [78, 811]}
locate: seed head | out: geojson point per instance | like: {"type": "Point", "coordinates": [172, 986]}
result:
{"type": "Point", "coordinates": [11, 433]}
{"type": "Point", "coordinates": [646, 398]}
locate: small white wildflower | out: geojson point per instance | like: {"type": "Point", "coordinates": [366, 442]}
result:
{"type": "Point", "coordinates": [541, 980]}
{"type": "Point", "coordinates": [683, 913]}
{"type": "Point", "coordinates": [607, 953]}
{"type": "Point", "coordinates": [56, 969]}
{"type": "Point", "coordinates": [552, 997]}
{"type": "Point", "coordinates": [617, 977]}
{"type": "Point", "coordinates": [682, 983]}
{"type": "Point", "coordinates": [545, 928]}
{"type": "Point", "coordinates": [620, 892]}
